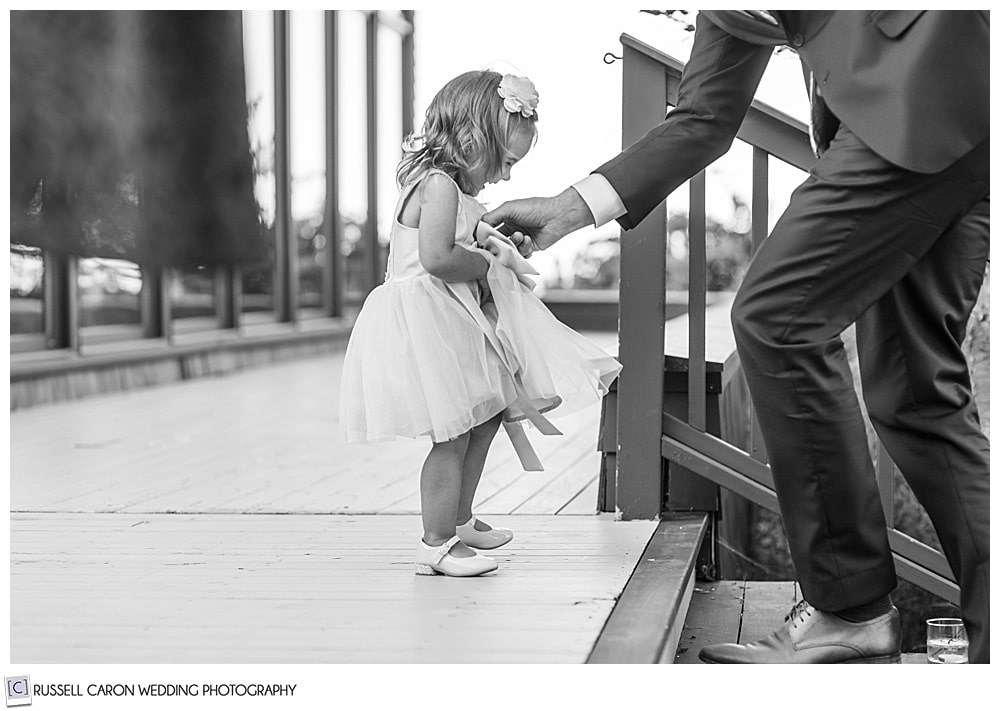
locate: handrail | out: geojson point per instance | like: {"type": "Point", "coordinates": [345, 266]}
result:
{"type": "Point", "coordinates": [766, 127]}
{"type": "Point", "coordinates": [691, 451]}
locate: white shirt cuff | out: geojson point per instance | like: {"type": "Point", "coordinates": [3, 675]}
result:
{"type": "Point", "coordinates": [601, 198]}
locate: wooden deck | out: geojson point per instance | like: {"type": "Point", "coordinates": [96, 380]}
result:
{"type": "Point", "coordinates": [243, 588]}
{"type": "Point", "coordinates": [740, 611]}
{"type": "Point", "coordinates": [264, 441]}
{"type": "Point", "coordinates": [733, 611]}
{"type": "Point", "coordinates": [225, 520]}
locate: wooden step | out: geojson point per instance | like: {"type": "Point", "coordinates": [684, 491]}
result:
{"type": "Point", "coordinates": [740, 611]}
{"type": "Point", "coordinates": [645, 625]}
{"type": "Point", "coordinates": [733, 611]}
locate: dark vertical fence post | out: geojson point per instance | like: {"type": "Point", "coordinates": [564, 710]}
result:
{"type": "Point", "coordinates": [759, 198]}
{"type": "Point", "coordinates": [154, 304]}
{"type": "Point", "coordinates": [639, 485]}
{"type": "Point", "coordinates": [333, 264]}
{"type": "Point", "coordinates": [373, 272]}
{"type": "Point", "coordinates": [285, 247]}
{"type": "Point", "coordinates": [408, 74]}
{"type": "Point", "coordinates": [758, 232]}
{"type": "Point", "coordinates": [228, 282]}
{"type": "Point", "coordinates": [686, 490]}
{"type": "Point", "coordinates": [735, 522]}
{"type": "Point", "coordinates": [60, 302]}
{"type": "Point", "coordinates": [697, 275]}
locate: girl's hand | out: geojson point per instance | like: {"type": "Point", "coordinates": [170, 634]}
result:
{"type": "Point", "coordinates": [501, 247]}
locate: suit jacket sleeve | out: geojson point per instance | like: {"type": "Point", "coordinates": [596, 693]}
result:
{"type": "Point", "coordinates": [716, 89]}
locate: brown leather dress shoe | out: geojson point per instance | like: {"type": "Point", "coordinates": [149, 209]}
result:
{"type": "Point", "coordinates": [811, 636]}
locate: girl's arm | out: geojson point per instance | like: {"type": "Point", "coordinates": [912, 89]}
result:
{"type": "Point", "coordinates": [439, 254]}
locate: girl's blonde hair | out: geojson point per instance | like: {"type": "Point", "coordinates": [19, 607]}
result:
{"type": "Point", "coordinates": [466, 127]}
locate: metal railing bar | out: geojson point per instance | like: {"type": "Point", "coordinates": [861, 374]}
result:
{"type": "Point", "coordinates": [884, 473]}
{"type": "Point", "coordinates": [285, 253]}
{"type": "Point", "coordinates": [723, 452]}
{"type": "Point", "coordinates": [638, 479]}
{"type": "Point", "coordinates": [929, 581]}
{"type": "Point", "coordinates": [781, 135]}
{"type": "Point", "coordinates": [718, 473]}
{"type": "Point", "coordinates": [154, 303]}
{"type": "Point", "coordinates": [759, 198]}
{"type": "Point", "coordinates": [61, 302]}
{"type": "Point", "coordinates": [228, 283]}
{"type": "Point", "coordinates": [374, 274]}
{"type": "Point", "coordinates": [408, 75]}
{"type": "Point", "coordinates": [697, 276]}
{"type": "Point", "coordinates": [920, 553]}
{"type": "Point", "coordinates": [758, 232]}
{"type": "Point", "coordinates": [915, 561]}
{"type": "Point", "coordinates": [333, 262]}
{"type": "Point", "coordinates": [780, 139]}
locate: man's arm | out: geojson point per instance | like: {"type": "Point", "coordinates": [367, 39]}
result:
{"type": "Point", "coordinates": [603, 201]}
{"type": "Point", "coordinates": [716, 89]}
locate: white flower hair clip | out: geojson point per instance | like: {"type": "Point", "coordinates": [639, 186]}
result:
{"type": "Point", "coordinates": [519, 95]}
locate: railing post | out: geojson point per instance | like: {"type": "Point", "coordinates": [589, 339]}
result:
{"type": "Point", "coordinates": [642, 295]}
{"type": "Point", "coordinates": [734, 521]}
{"type": "Point", "coordinates": [372, 269]}
{"type": "Point", "coordinates": [686, 491]}
{"type": "Point", "coordinates": [154, 303]}
{"type": "Point", "coordinates": [286, 248]}
{"type": "Point", "coordinates": [61, 302]}
{"type": "Point", "coordinates": [333, 278]}
{"type": "Point", "coordinates": [697, 287]}
{"type": "Point", "coordinates": [758, 232]}
{"type": "Point", "coordinates": [228, 292]}
{"type": "Point", "coordinates": [408, 74]}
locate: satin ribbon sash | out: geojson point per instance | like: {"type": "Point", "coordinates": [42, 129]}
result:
{"type": "Point", "coordinates": [515, 432]}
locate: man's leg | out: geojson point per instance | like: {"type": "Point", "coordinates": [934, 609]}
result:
{"type": "Point", "coordinates": [853, 230]}
{"type": "Point", "coordinates": [919, 396]}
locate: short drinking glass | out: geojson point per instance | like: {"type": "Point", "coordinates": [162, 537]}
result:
{"type": "Point", "coordinates": [946, 641]}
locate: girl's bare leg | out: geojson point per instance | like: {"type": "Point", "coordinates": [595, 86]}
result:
{"type": "Point", "coordinates": [440, 489]}
{"type": "Point", "coordinates": [480, 439]}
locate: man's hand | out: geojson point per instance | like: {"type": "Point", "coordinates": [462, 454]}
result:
{"type": "Point", "coordinates": [547, 220]}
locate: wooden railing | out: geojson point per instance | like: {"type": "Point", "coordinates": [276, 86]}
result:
{"type": "Point", "coordinates": [64, 357]}
{"type": "Point", "coordinates": [661, 456]}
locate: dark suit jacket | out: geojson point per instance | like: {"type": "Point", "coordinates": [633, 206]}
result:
{"type": "Point", "coordinates": [912, 84]}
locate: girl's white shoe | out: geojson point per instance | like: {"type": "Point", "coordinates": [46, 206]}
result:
{"type": "Point", "coordinates": [437, 560]}
{"type": "Point", "coordinates": [494, 538]}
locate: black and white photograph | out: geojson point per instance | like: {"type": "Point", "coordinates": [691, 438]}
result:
{"type": "Point", "coordinates": [535, 335]}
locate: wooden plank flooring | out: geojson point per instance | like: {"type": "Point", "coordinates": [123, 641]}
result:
{"type": "Point", "coordinates": [733, 611]}
{"type": "Point", "coordinates": [226, 520]}
{"type": "Point", "coordinates": [740, 611]}
{"type": "Point", "coordinates": [241, 588]}
{"type": "Point", "coordinates": [713, 618]}
{"type": "Point", "coordinates": [265, 441]}
{"type": "Point", "coordinates": [646, 623]}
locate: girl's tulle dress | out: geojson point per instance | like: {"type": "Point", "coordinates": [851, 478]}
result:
{"type": "Point", "coordinates": [432, 358]}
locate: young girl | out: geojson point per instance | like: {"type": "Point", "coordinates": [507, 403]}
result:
{"type": "Point", "coordinates": [454, 342]}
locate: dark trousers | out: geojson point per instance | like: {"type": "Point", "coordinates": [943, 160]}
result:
{"type": "Point", "coordinates": [902, 255]}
